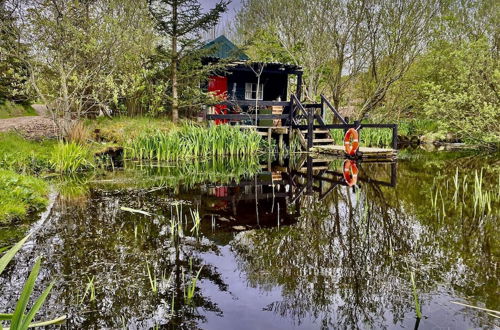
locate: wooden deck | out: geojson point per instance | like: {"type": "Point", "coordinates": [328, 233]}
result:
{"type": "Point", "coordinates": [363, 152]}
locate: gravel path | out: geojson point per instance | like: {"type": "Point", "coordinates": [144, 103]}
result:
{"type": "Point", "coordinates": [32, 127]}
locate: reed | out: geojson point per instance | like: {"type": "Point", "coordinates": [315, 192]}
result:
{"type": "Point", "coordinates": [71, 158]}
{"type": "Point", "coordinates": [369, 137]}
{"type": "Point", "coordinates": [191, 141]}
{"type": "Point", "coordinates": [21, 318]}
{"type": "Point", "coordinates": [153, 281]}
{"type": "Point", "coordinates": [415, 296]}
{"type": "Point", "coordinates": [89, 290]}
{"type": "Point", "coordinates": [191, 287]}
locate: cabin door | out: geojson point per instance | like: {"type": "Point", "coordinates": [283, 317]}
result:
{"type": "Point", "coordinates": [218, 85]}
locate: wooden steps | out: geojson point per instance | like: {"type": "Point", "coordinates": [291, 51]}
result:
{"type": "Point", "coordinates": [322, 141]}
{"type": "Point", "coordinates": [363, 152]}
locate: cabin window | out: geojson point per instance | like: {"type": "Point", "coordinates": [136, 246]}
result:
{"type": "Point", "coordinates": [251, 91]}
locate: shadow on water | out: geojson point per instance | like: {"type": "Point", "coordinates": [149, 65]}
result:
{"type": "Point", "coordinates": [279, 244]}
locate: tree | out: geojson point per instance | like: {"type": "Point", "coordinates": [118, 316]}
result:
{"type": "Point", "coordinates": [88, 56]}
{"type": "Point", "coordinates": [398, 31]}
{"type": "Point", "coordinates": [13, 53]}
{"type": "Point", "coordinates": [182, 21]}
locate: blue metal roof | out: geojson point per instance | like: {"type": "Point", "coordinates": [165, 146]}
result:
{"type": "Point", "coordinates": [222, 48]}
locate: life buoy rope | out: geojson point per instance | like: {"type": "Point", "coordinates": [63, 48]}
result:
{"type": "Point", "coordinates": [351, 146]}
{"type": "Point", "coordinates": [350, 172]}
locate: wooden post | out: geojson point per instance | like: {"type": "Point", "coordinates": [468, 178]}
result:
{"type": "Point", "coordinates": [299, 85]}
{"type": "Point", "coordinates": [356, 125]}
{"type": "Point", "coordinates": [395, 137]}
{"type": "Point", "coordinates": [310, 128]}
{"type": "Point", "coordinates": [323, 109]}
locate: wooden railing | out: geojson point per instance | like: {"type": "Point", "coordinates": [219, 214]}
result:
{"type": "Point", "coordinates": [298, 113]}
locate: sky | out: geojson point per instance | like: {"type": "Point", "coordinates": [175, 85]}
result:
{"type": "Point", "coordinates": [234, 6]}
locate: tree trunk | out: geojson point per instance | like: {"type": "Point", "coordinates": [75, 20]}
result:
{"type": "Point", "coordinates": [175, 95]}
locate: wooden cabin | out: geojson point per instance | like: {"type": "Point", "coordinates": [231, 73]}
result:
{"type": "Point", "coordinates": [239, 84]}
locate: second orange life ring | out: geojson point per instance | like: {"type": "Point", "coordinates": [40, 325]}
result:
{"type": "Point", "coordinates": [351, 147]}
{"type": "Point", "coordinates": [350, 172]}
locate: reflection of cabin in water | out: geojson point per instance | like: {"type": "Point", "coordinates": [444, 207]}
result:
{"type": "Point", "coordinates": [239, 82]}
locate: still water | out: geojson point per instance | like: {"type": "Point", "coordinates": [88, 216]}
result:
{"type": "Point", "coordinates": [270, 244]}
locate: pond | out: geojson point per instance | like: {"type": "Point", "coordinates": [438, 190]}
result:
{"type": "Point", "coordinates": [270, 244]}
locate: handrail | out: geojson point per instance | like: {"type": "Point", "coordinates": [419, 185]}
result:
{"type": "Point", "coordinates": [300, 106]}
{"type": "Point", "coordinates": [332, 108]}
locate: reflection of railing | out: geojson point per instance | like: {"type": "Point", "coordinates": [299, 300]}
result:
{"type": "Point", "coordinates": [285, 185]}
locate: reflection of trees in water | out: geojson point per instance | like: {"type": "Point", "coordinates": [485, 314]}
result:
{"type": "Point", "coordinates": [97, 239]}
{"type": "Point", "coordinates": [347, 260]}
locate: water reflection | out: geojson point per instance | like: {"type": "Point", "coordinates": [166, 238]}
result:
{"type": "Point", "coordinates": [287, 244]}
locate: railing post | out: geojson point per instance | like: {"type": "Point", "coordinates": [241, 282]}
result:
{"type": "Point", "coordinates": [395, 137]}
{"type": "Point", "coordinates": [323, 108]}
{"type": "Point", "coordinates": [310, 128]}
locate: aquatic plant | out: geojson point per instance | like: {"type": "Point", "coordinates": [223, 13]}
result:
{"type": "Point", "coordinates": [191, 287]}
{"type": "Point", "coordinates": [153, 281]}
{"type": "Point", "coordinates": [21, 318]}
{"type": "Point", "coordinates": [191, 141]}
{"type": "Point", "coordinates": [71, 157]}
{"type": "Point", "coordinates": [195, 216]}
{"type": "Point", "coordinates": [89, 290]}
{"type": "Point", "coordinates": [415, 296]}
{"type": "Point", "coordinates": [368, 137]}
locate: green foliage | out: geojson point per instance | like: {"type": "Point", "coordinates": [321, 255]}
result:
{"type": "Point", "coordinates": [458, 88]}
{"type": "Point", "coordinates": [191, 141]}
{"type": "Point", "coordinates": [71, 158]}
{"type": "Point", "coordinates": [20, 194]}
{"type": "Point", "coordinates": [13, 68]}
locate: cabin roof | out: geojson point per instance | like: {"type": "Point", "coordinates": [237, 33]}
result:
{"type": "Point", "coordinates": [222, 48]}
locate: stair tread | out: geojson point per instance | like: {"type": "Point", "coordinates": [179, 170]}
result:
{"type": "Point", "coordinates": [322, 140]}
{"type": "Point", "coordinates": [317, 131]}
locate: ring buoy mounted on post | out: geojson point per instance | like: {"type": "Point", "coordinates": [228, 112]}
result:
{"type": "Point", "coordinates": [351, 147]}
{"type": "Point", "coordinates": [350, 172]}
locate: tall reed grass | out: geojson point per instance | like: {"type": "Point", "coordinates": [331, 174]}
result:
{"type": "Point", "coordinates": [369, 137]}
{"type": "Point", "coordinates": [71, 158]}
{"type": "Point", "coordinates": [191, 141]}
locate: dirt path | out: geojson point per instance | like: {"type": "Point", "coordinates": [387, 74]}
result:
{"type": "Point", "coordinates": [32, 127]}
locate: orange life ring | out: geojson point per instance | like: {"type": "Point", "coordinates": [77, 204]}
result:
{"type": "Point", "coordinates": [350, 172]}
{"type": "Point", "coordinates": [351, 147]}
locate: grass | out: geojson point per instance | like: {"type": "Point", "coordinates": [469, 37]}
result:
{"type": "Point", "coordinates": [24, 156]}
{"type": "Point", "coordinates": [192, 141]}
{"type": "Point", "coordinates": [10, 110]}
{"type": "Point", "coordinates": [20, 194]}
{"type": "Point", "coordinates": [121, 130]}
